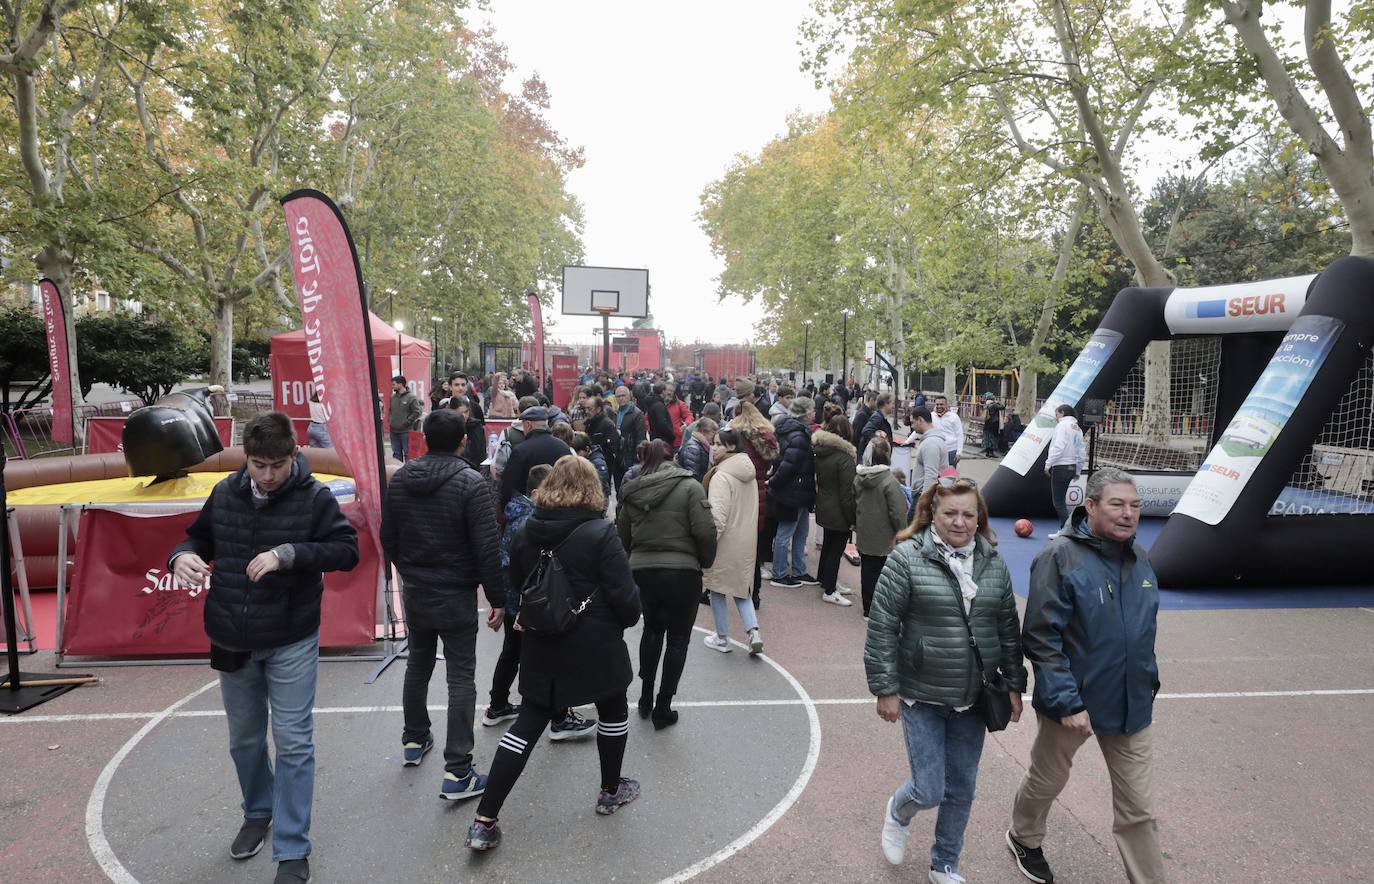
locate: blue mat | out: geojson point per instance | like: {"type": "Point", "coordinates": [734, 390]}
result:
{"type": "Point", "coordinates": [1019, 553]}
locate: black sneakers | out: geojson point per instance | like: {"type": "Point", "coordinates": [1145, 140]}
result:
{"type": "Point", "coordinates": [252, 835]}
{"type": "Point", "coordinates": [292, 871]}
{"type": "Point", "coordinates": [1030, 860]}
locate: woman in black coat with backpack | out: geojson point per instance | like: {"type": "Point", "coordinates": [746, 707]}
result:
{"type": "Point", "coordinates": [590, 663]}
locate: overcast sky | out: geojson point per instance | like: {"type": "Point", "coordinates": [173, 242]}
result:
{"type": "Point", "coordinates": [661, 97]}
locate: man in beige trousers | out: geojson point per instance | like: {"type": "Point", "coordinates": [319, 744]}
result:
{"type": "Point", "coordinates": [1090, 634]}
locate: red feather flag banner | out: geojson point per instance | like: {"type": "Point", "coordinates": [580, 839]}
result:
{"type": "Point", "coordinates": [537, 315]}
{"type": "Point", "coordinates": [333, 302]}
{"type": "Point", "coordinates": [55, 322]}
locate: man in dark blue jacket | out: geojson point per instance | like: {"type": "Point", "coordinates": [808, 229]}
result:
{"type": "Point", "coordinates": [1090, 634]}
{"type": "Point", "coordinates": [538, 447]}
{"type": "Point", "coordinates": [270, 529]}
{"type": "Point", "coordinates": [439, 528]}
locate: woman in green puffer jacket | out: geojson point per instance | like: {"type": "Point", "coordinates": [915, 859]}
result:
{"type": "Point", "coordinates": [921, 668]}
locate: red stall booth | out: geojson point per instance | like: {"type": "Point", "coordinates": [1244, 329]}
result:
{"type": "Point", "coordinates": [290, 364]}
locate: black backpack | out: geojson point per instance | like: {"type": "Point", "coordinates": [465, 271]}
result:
{"type": "Point", "coordinates": [549, 601]}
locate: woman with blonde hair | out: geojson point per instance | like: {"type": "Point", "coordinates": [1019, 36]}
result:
{"type": "Point", "coordinates": [733, 495]}
{"type": "Point", "coordinates": [943, 588]}
{"type": "Point", "coordinates": [589, 664]}
{"type": "Point", "coordinates": [760, 444]}
{"type": "Point", "coordinates": [502, 402]}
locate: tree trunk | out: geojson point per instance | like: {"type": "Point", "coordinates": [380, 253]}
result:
{"type": "Point", "coordinates": [951, 383]}
{"type": "Point", "coordinates": [222, 344]}
{"type": "Point", "coordinates": [1028, 391]}
{"type": "Point", "coordinates": [58, 266]}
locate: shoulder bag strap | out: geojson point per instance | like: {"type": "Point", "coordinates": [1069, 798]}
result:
{"type": "Point", "coordinates": [972, 642]}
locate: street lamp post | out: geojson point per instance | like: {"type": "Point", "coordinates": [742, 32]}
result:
{"type": "Point", "coordinates": [399, 326]}
{"type": "Point", "coordinates": [434, 346]}
{"type": "Point", "coordinates": [844, 346]}
{"type": "Point", "coordinates": [806, 348]}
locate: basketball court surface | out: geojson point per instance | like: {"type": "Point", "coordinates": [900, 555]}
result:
{"type": "Point", "coordinates": [778, 770]}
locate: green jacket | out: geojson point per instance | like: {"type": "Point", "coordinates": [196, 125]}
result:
{"type": "Point", "coordinates": [917, 646]}
{"type": "Point", "coordinates": [664, 520]}
{"type": "Point", "coordinates": [834, 481]}
{"type": "Point", "coordinates": [405, 412]}
{"type": "Point", "coordinates": [881, 510]}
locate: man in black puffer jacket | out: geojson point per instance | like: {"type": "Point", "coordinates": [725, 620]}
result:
{"type": "Point", "coordinates": [792, 488]}
{"type": "Point", "coordinates": [270, 529]}
{"type": "Point", "coordinates": [439, 528]}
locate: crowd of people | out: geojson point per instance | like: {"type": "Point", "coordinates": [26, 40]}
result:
{"type": "Point", "coordinates": [641, 500]}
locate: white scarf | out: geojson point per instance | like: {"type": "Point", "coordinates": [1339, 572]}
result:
{"type": "Point", "coordinates": [960, 561]}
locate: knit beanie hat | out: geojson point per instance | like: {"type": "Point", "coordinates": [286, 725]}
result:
{"type": "Point", "coordinates": [802, 406]}
{"type": "Point", "coordinates": [743, 388]}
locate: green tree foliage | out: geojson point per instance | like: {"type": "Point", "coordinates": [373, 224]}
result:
{"type": "Point", "coordinates": [23, 358]}
{"type": "Point", "coordinates": [140, 355]}
{"type": "Point", "coordinates": [150, 142]}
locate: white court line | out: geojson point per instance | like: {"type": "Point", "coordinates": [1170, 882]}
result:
{"type": "Point", "coordinates": [813, 753]}
{"type": "Point", "coordinates": [95, 807]}
{"type": "Point", "coordinates": [689, 704]}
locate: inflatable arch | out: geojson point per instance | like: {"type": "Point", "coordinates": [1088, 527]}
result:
{"type": "Point", "coordinates": [1289, 350]}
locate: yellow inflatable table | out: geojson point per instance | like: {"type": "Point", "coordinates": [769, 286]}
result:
{"type": "Point", "coordinates": [137, 489]}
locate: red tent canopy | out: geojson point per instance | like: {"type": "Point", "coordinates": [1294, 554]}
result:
{"type": "Point", "coordinates": [291, 383]}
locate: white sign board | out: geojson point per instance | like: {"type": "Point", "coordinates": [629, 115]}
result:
{"type": "Point", "coordinates": [870, 351]}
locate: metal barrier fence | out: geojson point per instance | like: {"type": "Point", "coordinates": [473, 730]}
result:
{"type": "Point", "coordinates": [27, 432]}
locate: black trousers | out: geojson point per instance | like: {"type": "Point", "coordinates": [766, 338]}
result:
{"type": "Point", "coordinates": [507, 665]}
{"type": "Point", "coordinates": [460, 659]}
{"type": "Point", "coordinates": [869, 569]}
{"type": "Point", "coordinates": [670, 597]}
{"type": "Point", "coordinates": [763, 552]}
{"type": "Point", "coordinates": [832, 551]}
{"type": "Point", "coordinates": [612, 732]}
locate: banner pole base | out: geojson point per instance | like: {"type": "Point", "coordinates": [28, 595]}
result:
{"type": "Point", "coordinates": [393, 654]}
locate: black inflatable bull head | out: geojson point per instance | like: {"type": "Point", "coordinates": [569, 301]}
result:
{"type": "Point", "coordinates": [174, 433]}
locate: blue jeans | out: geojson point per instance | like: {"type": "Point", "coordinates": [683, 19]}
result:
{"type": "Point", "coordinates": [318, 435]}
{"type": "Point", "coordinates": [400, 445]}
{"type": "Point", "coordinates": [791, 535]}
{"type": "Point", "coordinates": [283, 678]}
{"type": "Point", "coordinates": [943, 748]}
{"type": "Point", "coordinates": [721, 613]}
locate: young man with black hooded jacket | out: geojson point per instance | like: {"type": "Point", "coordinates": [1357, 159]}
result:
{"type": "Point", "coordinates": [430, 503]}
{"type": "Point", "coordinates": [270, 530]}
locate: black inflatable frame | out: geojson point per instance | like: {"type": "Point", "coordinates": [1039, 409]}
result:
{"type": "Point", "coordinates": [1248, 547]}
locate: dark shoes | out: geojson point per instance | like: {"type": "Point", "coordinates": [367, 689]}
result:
{"type": "Point", "coordinates": [495, 715]}
{"type": "Point", "coordinates": [483, 836]}
{"type": "Point", "coordinates": [626, 790]}
{"type": "Point", "coordinates": [664, 715]}
{"type": "Point", "coordinates": [292, 871]}
{"type": "Point", "coordinates": [252, 835]}
{"type": "Point", "coordinates": [1030, 860]}
{"type": "Point", "coordinates": [413, 753]}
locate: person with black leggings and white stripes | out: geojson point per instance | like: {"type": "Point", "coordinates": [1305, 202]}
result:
{"type": "Point", "coordinates": [590, 664]}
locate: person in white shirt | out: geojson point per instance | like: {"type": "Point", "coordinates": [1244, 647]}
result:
{"type": "Point", "coordinates": [1064, 463]}
{"type": "Point", "coordinates": [949, 426]}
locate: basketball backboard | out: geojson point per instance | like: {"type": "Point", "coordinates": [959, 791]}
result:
{"type": "Point", "coordinates": [609, 291]}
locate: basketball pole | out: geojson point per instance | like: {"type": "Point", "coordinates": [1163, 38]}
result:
{"type": "Point", "coordinates": [606, 339]}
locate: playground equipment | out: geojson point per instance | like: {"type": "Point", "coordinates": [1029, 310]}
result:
{"type": "Point", "coordinates": [1269, 425]}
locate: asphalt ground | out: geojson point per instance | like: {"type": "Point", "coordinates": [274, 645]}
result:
{"type": "Point", "coordinates": [777, 771]}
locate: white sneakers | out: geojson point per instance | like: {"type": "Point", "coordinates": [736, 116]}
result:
{"type": "Point", "coordinates": [755, 642]}
{"type": "Point", "coordinates": [716, 643]}
{"type": "Point", "coordinates": [948, 876]}
{"type": "Point", "coordinates": [835, 598]}
{"type": "Point", "coordinates": [844, 590]}
{"type": "Point", "coordinates": [894, 837]}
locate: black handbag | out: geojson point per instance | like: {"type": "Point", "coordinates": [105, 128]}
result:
{"type": "Point", "coordinates": [549, 603]}
{"type": "Point", "coordinates": [994, 703]}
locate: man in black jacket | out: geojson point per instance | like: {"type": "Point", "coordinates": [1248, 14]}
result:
{"type": "Point", "coordinates": [629, 422]}
{"type": "Point", "coordinates": [524, 383]}
{"type": "Point", "coordinates": [430, 503]}
{"type": "Point", "coordinates": [862, 413]}
{"type": "Point", "coordinates": [792, 488]}
{"type": "Point", "coordinates": [600, 428]}
{"type": "Point", "coordinates": [270, 529]}
{"type": "Point", "coordinates": [660, 424]}
{"type": "Point", "coordinates": [539, 447]}
{"type": "Point", "coordinates": [878, 422]}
